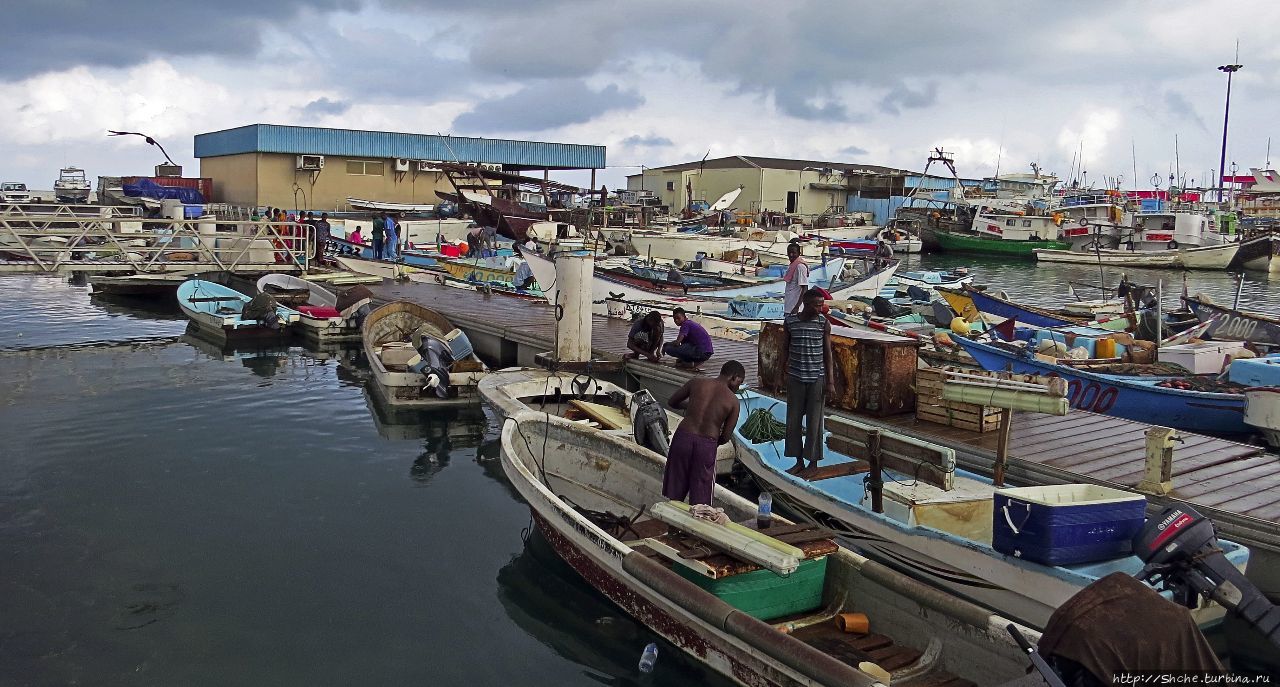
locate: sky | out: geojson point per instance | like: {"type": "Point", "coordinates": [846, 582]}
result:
{"type": "Point", "coordinates": [1090, 89]}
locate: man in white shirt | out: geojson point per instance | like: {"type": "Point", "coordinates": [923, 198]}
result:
{"type": "Point", "coordinates": [796, 278]}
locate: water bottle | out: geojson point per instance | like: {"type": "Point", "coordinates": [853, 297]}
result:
{"type": "Point", "coordinates": [764, 516]}
{"type": "Point", "coordinates": [648, 658]}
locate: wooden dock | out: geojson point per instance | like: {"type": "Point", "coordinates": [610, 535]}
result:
{"type": "Point", "coordinates": [1236, 484]}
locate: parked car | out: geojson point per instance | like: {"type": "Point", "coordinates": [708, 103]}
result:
{"type": "Point", "coordinates": [14, 192]}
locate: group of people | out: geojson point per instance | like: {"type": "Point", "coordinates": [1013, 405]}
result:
{"type": "Point", "coordinates": [315, 228]}
{"type": "Point", "coordinates": [386, 240]}
{"type": "Point", "coordinates": [711, 405]}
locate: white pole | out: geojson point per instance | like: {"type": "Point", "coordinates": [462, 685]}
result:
{"type": "Point", "coordinates": [573, 307]}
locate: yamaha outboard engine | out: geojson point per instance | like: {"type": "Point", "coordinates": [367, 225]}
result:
{"type": "Point", "coordinates": [262, 308]}
{"type": "Point", "coordinates": [649, 421]}
{"type": "Point", "coordinates": [1179, 548]}
{"type": "Point", "coordinates": [434, 364]}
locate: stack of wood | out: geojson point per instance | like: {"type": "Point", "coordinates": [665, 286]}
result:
{"type": "Point", "coordinates": [977, 417]}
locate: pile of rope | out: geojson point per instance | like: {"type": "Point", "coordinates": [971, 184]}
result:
{"type": "Point", "coordinates": [761, 427]}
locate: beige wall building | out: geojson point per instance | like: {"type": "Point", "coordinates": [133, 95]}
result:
{"type": "Point", "coordinates": [798, 187]}
{"type": "Point", "coordinates": [318, 169]}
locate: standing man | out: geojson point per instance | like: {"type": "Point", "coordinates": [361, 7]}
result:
{"type": "Point", "coordinates": [711, 413]}
{"type": "Point", "coordinates": [322, 235]}
{"type": "Point", "coordinates": [393, 239]}
{"type": "Point", "coordinates": [379, 235]}
{"type": "Point", "coordinates": [796, 278]}
{"type": "Point", "coordinates": [806, 356]}
{"type": "Point", "coordinates": [692, 346]}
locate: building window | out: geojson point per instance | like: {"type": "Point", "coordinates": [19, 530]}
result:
{"type": "Point", "coordinates": [368, 168]}
{"type": "Point", "coordinates": [671, 185]}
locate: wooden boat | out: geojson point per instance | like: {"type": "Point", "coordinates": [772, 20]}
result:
{"type": "Point", "coordinates": [492, 272]}
{"type": "Point", "coordinates": [1202, 258]}
{"type": "Point", "coordinates": [376, 205]}
{"type": "Point", "coordinates": [342, 248]}
{"type": "Point", "coordinates": [1227, 324]}
{"type": "Point", "coordinates": [1262, 411]}
{"type": "Point", "coordinates": [596, 499]}
{"type": "Point", "coordinates": [390, 334]}
{"type": "Point", "coordinates": [141, 285]}
{"type": "Point", "coordinates": [1260, 253]}
{"type": "Point", "coordinates": [603, 404]}
{"type": "Point", "coordinates": [937, 519]}
{"type": "Point", "coordinates": [216, 310]}
{"type": "Point", "coordinates": [316, 306]}
{"type": "Point", "coordinates": [1125, 396]}
{"type": "Point", "coordinates": [1000, 307]}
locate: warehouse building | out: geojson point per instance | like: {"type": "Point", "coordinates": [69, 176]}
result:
{"type": "Point", "coordinates": [805, 188]}
{"type": "Point", "coordinates": [316, 168]}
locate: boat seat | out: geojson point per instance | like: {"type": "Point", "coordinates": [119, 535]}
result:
{"type": "Point", "coordinates": [396, 354]}
{"type": "Point", "coordinates": [966, 510]}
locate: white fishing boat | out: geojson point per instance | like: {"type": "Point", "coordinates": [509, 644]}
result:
{"type": "Point", "coordinates": [602, 404]}
{"type": "Point", "coordinates": [595, 498]}
{"type": "Point", "coordinates": [938, 523]}
{"type": "Point", "coordinates": [1215, 257]}
{"type": "Point", "coordinates": [377, 205]}
{"type": "Point", "coordinates": [686, 246]}
{"type": "Point", "coordinates": [1171, 227]}
{"type": "Point", "coordinates": [319, 316]}
{"type": "Point", "coordinates": [71, 186]}
{"type": "Point", "coordinates": [418, 358]}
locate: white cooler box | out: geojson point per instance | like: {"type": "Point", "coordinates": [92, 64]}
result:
{"type": "Point", "coordinates": [1206, 357]}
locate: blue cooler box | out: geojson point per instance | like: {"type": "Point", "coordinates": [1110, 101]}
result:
{"type": "Point", "coordinates": [1066, 524]}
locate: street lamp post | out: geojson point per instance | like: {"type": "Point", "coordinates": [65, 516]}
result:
{"type": "Point", "coordinates": [1222, 159]}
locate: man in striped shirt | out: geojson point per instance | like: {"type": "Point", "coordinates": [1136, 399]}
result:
{"type": "Point", "coordinates": [806, 356]}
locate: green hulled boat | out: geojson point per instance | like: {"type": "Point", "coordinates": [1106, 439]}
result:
{"type": "Point", "coordinates": [972, 243]}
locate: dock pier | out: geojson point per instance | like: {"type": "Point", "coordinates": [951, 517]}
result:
{"type": "Point", "coordinates": [1238, 485]}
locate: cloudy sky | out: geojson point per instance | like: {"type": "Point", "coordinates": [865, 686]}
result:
{"type": "Point", "coordinates": [658, 81]}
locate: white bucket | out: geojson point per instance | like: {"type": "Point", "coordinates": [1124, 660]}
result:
{"type": "Point", "coordinates": [616, 308]}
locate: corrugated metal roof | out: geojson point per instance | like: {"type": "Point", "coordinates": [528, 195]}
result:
{"type": "Point", "coordinates": [754, 162]}
{"type": "Point", "coordinates": [300, 140]}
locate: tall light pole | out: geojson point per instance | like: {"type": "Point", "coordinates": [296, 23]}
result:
{"type": "Point", "coordinates": [1226, 115]}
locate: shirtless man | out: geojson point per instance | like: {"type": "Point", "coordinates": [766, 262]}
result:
{"type": "Point", "coordinates": [711, 413]}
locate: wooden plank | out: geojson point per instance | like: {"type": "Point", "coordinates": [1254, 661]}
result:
{"type": "Point", "coordinates": [853, 467]}
{"type": "Point", "coordinates": [1265, 476]}
{"type": "Point", "coordinates": [607, 416]}
{"type": "Point", "coordinates": [1263, 495]}
{"type": "Point", "coordinates": [1242, 464]}
{"type": "Point", "coordinates": [929, 473]}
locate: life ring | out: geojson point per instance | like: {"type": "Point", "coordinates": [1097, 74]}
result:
{"type": "Point", "coordinates": [1084, 221]}
{"type": "Point", "coordinates": [1173, 245]}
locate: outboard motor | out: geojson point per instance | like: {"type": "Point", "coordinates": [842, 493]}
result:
{"type": "Point", "coordinates": [262, 308]}
{"type": "Point", "coordinates": [433, 362]}
{"type": "Point", "coordinates": [649, 421]}
{"type": "Point", "coordinates": [1179, 548]}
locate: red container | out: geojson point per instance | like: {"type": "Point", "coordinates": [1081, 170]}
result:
{"type": "Point", "coordinates": [450, 251]}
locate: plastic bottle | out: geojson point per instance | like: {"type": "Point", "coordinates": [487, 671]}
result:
{"type": "Point", "coordinates": [764, 516]}
{"type": "Point", "coordinates": [648, 658]}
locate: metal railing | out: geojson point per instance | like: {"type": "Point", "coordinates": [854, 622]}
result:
{"type": "Point", "coordinates": [54, 243]}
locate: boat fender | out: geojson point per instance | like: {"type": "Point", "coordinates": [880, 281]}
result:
{"type": "Point", "coordinates": [1173, 245]}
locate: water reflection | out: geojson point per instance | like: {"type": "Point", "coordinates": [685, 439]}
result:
{"type": "Point", "coordinates": [545, 597]}
{"type": "Point", "coordinates": [261, 358]}
{"type": "Point", "coordinates": [441, 431]}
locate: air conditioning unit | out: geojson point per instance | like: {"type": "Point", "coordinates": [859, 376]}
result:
{"type": "Point", "coordinates": [428, 166]}
{"type": "Point", "coordinates": [310, 162]}
{"type": "Point", "coordinates": [401, 165]}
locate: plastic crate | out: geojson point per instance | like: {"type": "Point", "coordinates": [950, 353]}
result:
{"type": "Point", "coordinates": [765, 595]}
{"type": "Point", "coordinates": [1066, 524]}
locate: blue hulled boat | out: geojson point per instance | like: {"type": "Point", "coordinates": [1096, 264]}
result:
{"type": "Point", "coordinates": [1128, 397]}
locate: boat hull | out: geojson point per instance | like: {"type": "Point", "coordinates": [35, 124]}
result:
{"type": "Point", "coordinates": [960, 243]}
{"type": "Point", "coordinates": [1226, 324]}
{"type": "Point", "coordinates": [1262, 410]}
{"type": "Point", "coordinates": [1192, 411]}
{"type": "Point", "coordinates": [404, 389]}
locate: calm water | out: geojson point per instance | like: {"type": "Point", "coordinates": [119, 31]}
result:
{"type": "Point", "coordinates": [173, 514]}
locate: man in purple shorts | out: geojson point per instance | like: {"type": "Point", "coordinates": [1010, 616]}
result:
{"type": "Point", "coordinates": [711, 413]}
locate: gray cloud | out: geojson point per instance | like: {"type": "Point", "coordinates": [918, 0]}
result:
{"type": "Point", "coordinates": [852, 151]}
{"type": "Point", "coordinates": [323, 106]}
{"type": "Point", "coordinates": [903, 97]}
{"type": "Point", "coordinates": [546, 105]}
{"type": "Point", "coordinates": [651, 140]}
{"type": "Point", "coordinates": [1177, 105]}
{"type": "Point", "coordinates": [38, 36]}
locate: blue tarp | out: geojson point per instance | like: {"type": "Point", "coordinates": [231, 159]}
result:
{"type": "Point", "coordinates": [146, 188]}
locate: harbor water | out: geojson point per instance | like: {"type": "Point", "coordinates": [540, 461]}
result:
{"type": "Point", "coordinates": [172, 512]}
{"type": "Point", "coordinates": [175, 514]}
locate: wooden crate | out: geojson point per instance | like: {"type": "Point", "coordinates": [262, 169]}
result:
{"type": "Point", "coordinates": [973, 418]}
